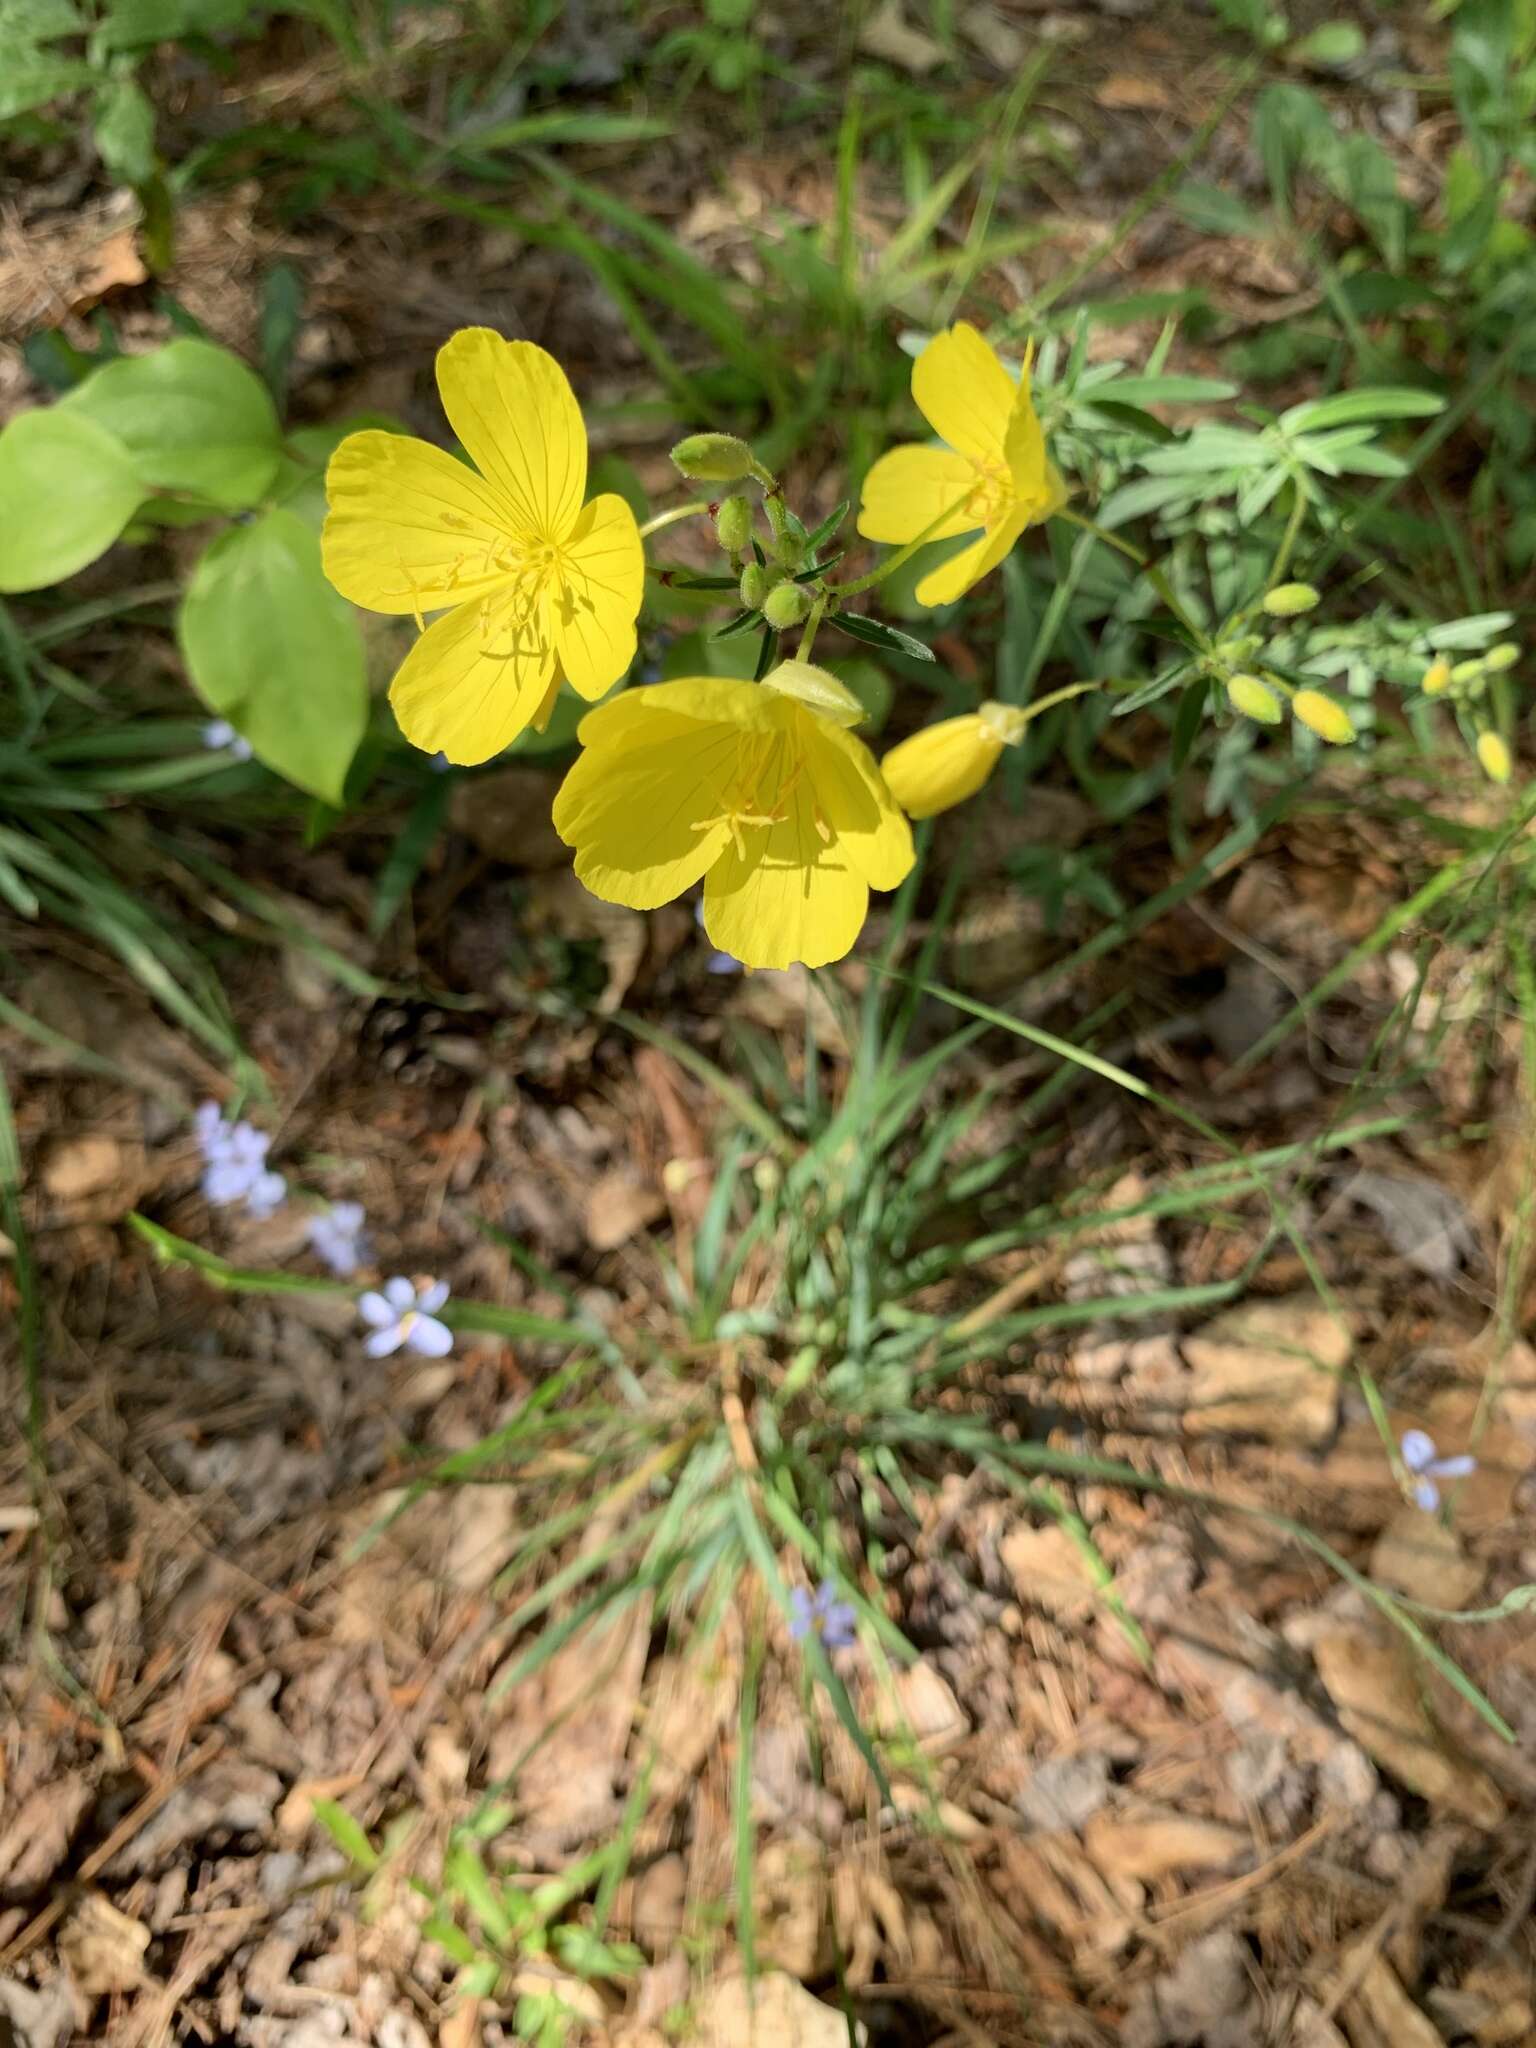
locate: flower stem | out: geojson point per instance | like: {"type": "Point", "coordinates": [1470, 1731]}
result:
{"type": "Point", "coordinates": [1299, 502]}
{"type": "Point", "coordinates": [1148, 568]}
{"type": "Point", "coordinates": [812, 621]}
{"type": "Point", "coordinates": [672, 518]}
{"type": "Point", "coordinates": [902, 554]}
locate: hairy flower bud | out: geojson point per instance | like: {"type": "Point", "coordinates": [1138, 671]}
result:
{"type": "Point", "coordinates": [1254, 699]}
{"type": "Point", "coordinates": [1437, 677]}
{"type": "Point", "coordinates": [755, 585]}
{"type": "Point", "coordinates": [1494, 756]}
{"type": "Point", "coordinates": [786, 606]}
{"type": "Point", "coordinates": [1499, 658]}
{"type": "Point", "coordinates": [714, 458]}
{"type": "Point", "coordinates": [1290, 600]}
{"type": "Point", "coordinates": [1322, 715]}
{"type": "Point", "coordinates": [733, 524]}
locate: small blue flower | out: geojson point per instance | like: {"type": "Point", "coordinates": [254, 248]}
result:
{"type": "Point", "coordinates": [821, 1614]}
{"type": "Point", "coordinates": [235, 1164]}
{"type": "Point", "coordinates": [1418, 1448]}
{"type": "Point", "coordinates": [406, 1314]}
{"type": "Point", "coordinates": [219, 736]}
{"type": "Point", "coordinates": [339, 1237]}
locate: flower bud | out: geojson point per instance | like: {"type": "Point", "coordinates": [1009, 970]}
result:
{"type": "Point", "coordinates": [1471, 671]}
{"type": "Point", "coordinates": [1290, 600]}
{"type": "Point", "coordinates": [817, 689]}
{"type": "Point", "coordinates": [1322, 715]}
{"type": "Point", "coordinates": [1499, 658]}
{"type": "Point", "coordinates": [943, 764]}
{"type": "Point", "coordinates": [1493, 754]}
{"type": "Point", "coordinates": [714, 458]}
{"type": "Point", "coordinates": [733, 524]}
{"type": "Point", "coordinates": [1436, 677]}
{"type": "Point", "coordinates": [1254, 699]}
{"type": "Point", "coordinates": [754, 585]}
{"type": "Point", "coordinates": [786, 605]}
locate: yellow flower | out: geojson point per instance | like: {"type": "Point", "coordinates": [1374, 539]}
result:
{"type": "Point", "coordinates": [995, 462]}
{"type": "Point", "coordinates": [779, 811]}
{"type": "Point", "coordinates": [943, 764]}
{"type": "Point", "coordinates": [540, 585]}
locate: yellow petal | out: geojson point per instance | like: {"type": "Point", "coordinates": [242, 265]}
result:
{"type": "Point", "coordinates": [717, 700]}
{"type": "Point", "coordinates": [909, 487]}
{"type": "Point", "coordinates": [965, 394]}
{"type": "Point", "coordinates": [942, 765]}
{"type": "Point", "coordinates": [598, 600]}
{"type": "Point", "coordinates": [409, 528]}
{"type": "Point", "coordinates": [1025, 445]}
{"type": "Point", "coordinates": [473, 681]}
{"type": "Point", "coordinates": [786, 896]}
{"type": "Point", "coordinates": [647, 777]}
{"type": "Point", "coordinates": [944, 584]}
{"type": "Point", "coordinates": [855, 803]}
{"type": "Point", "coordinates": [513, 408]}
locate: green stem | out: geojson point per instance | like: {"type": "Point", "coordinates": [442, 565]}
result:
{"type": "Point", "coordinates": [672, 518]}
{"type": "Point", "coordinates": [812, 621]}
{"type": "Point", "coordinates": [1149, 569]}
{"type": "Point", "coordinates": [1300, 499]}
{"type": "Point", "coordinates": [1060, 696]}
{"type": "Point", "coordinates": [902, 554]}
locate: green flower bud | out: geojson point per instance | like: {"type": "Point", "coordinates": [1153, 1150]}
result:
{"type": "Point", "coordinates": [1290, 600]}
{"type": "Point", "coordinates": [1469, 671]}
{"type": "Point", "coordinates": [754, 585]}
{"type": "Point", "coordinates": [1322, 715]}
{"type": "Point", "coordinates": [733, 525]}
{"type": "Point", "coordinates": [1437, 677]}
{"type": "Point", "coordinates": [786, 606]}
{"type": "Point", "coordinates": [714, 458]}
{"type": "Point", "coordinates": [1499, 658]}
{"type": "Point", "coordinates": [813, 686]}
{"type": "Point", "coordinates": [1254, 699]}
{"type": "Point", "coordinates": [1494, 756]}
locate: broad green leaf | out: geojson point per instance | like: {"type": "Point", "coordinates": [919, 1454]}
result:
{"type": "Point", "coordinates": [67, 490]}
{"type": "Point", "coordinates": [193, 417]}
{"type": "Point", "coordinates": [134, 24]}
{"type": "Point", "coordinates": [36, 21]}
{"type": "Point", "coordinates": [271, 647]}
{"type": "Point", "coordinates": [32, 81]}
{"type": "Point", "coordinates": [1334, 43]}
{"type": "Point", "coordinates": [125, 131]}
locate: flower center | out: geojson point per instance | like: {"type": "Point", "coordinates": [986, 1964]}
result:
{"type": "Point", "coordinates": [763, 777]}
{"type": "Point", "coordinates": [991, 496]}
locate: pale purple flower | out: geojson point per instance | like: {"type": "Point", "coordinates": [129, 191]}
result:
{"type": "Point", "coordinates": [821, 1614]}
{"type": "Point", "coordinates": [339, 1237]}
{"type": "Point", "coordinates": [235, 1164]}
{"type": "Point", "coordinates": [406, 1314]}
{"type": "Point", "coordinates": [1418, 1448]}
{"type": "Point", "coordinates": [220, 736]}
